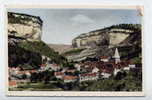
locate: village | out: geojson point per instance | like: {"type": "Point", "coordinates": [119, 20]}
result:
{"type": "Point", "coordinates": [104, 68]}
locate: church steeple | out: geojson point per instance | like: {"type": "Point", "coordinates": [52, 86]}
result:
{"type": "Point", "coordinates": [117, 56]}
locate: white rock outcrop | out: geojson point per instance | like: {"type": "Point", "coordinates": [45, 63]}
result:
{"type": "Point", "coordinates": [26, 26]}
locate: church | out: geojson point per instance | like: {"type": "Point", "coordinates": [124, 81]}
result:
{"type": "Point", "coordinates": [116, 56]}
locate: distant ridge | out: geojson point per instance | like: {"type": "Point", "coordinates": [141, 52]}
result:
{"type": "Point", "coordinates": [61, 48]}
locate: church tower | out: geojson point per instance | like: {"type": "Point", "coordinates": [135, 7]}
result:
{"type": "Point", "coordinates": [116, 56]}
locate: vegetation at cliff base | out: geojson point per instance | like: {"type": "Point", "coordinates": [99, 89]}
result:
{"type": "Point", "coordinates": [29, 53]}
{"type": "Point", "coordinates": [43, 49]}
{"type": "Point", "coordinates": [26, 59]}
{"type": "Point", "coordinates": [74, 51]}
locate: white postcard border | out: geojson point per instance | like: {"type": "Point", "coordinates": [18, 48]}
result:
{"type": "Point", "coordinates": [74, 93]}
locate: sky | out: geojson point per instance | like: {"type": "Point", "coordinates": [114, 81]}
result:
{"type": "Point", "coordinates": [60, 26]}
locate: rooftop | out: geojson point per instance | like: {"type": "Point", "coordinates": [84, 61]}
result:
{"type": "Point", "coordinates": [68, 77]}
{"type": "Point", "coordinates": [104, 57]}
{"type": "Point", "coordinates": [58, 73]}
{"type": "Point", "coordinates": [88, 74]}
{"type": "Point", "coordinates": [12, 83]}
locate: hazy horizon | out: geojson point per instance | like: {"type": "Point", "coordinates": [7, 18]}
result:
{"type": "Point", "coordinates": [60, 26]}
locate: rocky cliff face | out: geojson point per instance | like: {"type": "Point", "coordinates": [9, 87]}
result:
{"type": "Point", "coordinates": [111, 37]}
{"type": "Point", "coordinates": [23, 28]}
{"type": "Point", "coordinates": [26, 26]}
{"type": "Point", "coordinates": [126, 37]}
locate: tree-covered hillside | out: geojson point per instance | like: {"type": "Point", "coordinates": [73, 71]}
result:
{"type": "Point", "coordinates": [30, 53]}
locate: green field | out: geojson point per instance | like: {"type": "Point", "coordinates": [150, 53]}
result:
{"type": "Point", "coordinates": [36, 87]}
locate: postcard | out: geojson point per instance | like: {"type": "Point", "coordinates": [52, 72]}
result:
{"type": "Point", "coordinates": [74, 51]}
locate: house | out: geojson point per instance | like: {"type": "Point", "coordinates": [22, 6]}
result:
{"type": "Point", "coordinates": [106, 70]}
{"type": "Point", "coordinates": [26, 72]}
{"type": "Point", "coordinates": [59, 75]}
{"type": "Point", "coordinates": [131, 65]}
{"type": "Point", "coordinates": [127, 65]}
{"type": "Point", "coordinates": [95, 70]}
{"type": "Point", "coordinates": [126, 68]}
{"type": "Point", "coordinates": [104, 58]}
{"type": "Point", "coordinates": [46, 59]}
{"type": "Point", "coordinates": [70, 70]}
{"type": "Point", "coordinates": [54, 67]}
{"type": "Point", "coordinates": [106, 73]}
{"type": "Point", "coordinates": [77, 66]}
{"type": "Point", "coordinates": [88, 76]}
{"type": "Point", "coordinates": [123, 65]}
{"type": "Point", "coordinates": [69, 78]}
{"type": "Point", "coordinates": [86, 66]}
{"type": "Point", "coordinates": [12, 84]}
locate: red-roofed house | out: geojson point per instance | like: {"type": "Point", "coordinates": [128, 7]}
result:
{"type": "Point", "coordinates": [88, 76]}
{"type": "Point", "coordinates": [69, 78]}
{"type": "Point", "coordinates": [12, 84]}
{"type": "Point", "coordinates": [104, 58]}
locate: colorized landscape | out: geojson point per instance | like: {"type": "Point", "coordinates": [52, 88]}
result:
{"type": "Point", "coordinates": [103, 59]}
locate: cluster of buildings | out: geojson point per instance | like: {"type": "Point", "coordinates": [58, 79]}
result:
{"type": "Point", "coordinates": [86, 71]}
{"type": "Point", "coordinates": [17, 75]}
{"type": "Point", "coordinates": [94, 70]}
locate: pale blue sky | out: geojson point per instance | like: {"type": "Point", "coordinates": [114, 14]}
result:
{"type": "Point", "coordinates": [60, 26]}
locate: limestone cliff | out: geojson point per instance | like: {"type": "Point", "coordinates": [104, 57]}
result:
{"type": "Point", "coordinates": [126, 37]}
{"type": "Point", "coordinates": [108, 36]}
{"type": "Point", "coordinates": [23, 25]}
